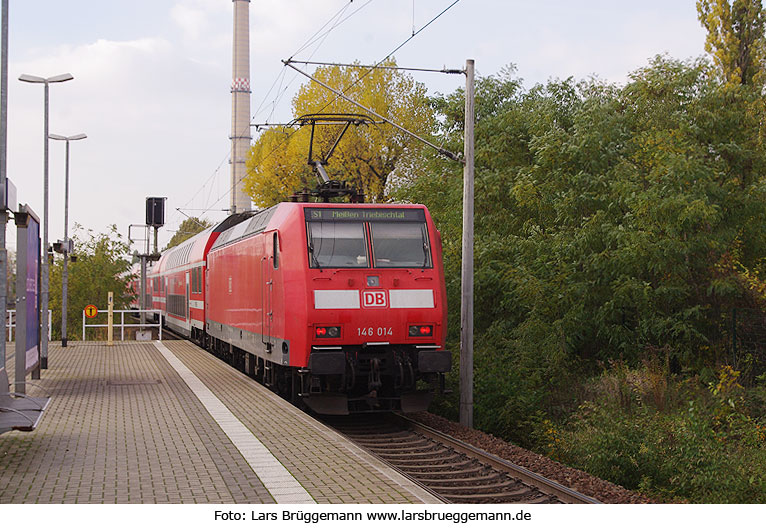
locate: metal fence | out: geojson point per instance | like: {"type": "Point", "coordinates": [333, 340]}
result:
{"type": "Point", "coordinates": [10, 324]}
{"type": "Point", "coordinates": [122, 325]}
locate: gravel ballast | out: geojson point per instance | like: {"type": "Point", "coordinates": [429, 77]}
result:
{"type": "Point", "coordinates": [595, 487]}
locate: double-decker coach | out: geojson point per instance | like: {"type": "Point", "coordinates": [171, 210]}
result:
{"type": "Point", "coordinates": [177, 282]}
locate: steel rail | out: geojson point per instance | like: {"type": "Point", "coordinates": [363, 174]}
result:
{"type": "Point", "coordinates": [530, 478]}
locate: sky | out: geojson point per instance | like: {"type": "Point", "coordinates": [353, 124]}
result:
{"type": "Point", "coordinates": [152, 80]}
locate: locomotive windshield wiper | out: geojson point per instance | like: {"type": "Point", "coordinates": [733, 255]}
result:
{"type": "Point", "coordinates": [425, 255]}
{"type": "Point", "coordinates": [314, 258]}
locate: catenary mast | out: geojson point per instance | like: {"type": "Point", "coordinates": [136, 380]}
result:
{"type": "Point", "coordinates": [240, 106]}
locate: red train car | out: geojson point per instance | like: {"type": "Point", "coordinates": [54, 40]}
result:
{"type": "Point", "coordinates": [341, 306]}
{"type": "Point", "coordinates": [177, 282]}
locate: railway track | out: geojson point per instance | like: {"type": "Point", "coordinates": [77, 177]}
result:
{"type": "Point", "coordinates": [449, 468]}
{"type": "Point", "coordinates": [453, 470]}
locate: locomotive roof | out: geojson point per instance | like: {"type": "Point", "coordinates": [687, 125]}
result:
{"type": "Point", "coordinates": [258, 221]}
{"type": "Point", "coordinates": [243, 225]}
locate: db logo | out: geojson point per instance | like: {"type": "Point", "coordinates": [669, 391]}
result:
{"type": "Point", "coordinates": [374, 299]}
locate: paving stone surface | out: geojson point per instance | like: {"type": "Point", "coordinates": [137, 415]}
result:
{"type": "Point", "coordinates": [123, 427]}
{"type": "Point", "coordinates": [329, 467]}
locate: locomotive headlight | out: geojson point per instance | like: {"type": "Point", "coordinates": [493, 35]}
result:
{"type": "Point", "coordinates": [421, 330]}
{"type": "Point", "coordinates": [327, 331]}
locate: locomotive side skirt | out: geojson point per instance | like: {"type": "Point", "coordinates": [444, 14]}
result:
{"type": "Point", "coordinates": [252, 342]}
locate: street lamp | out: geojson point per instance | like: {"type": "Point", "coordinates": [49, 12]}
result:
{"type": "Point", "coordinates": [66, 247]}
{"type": "Point", "coordinates": [44, 271]}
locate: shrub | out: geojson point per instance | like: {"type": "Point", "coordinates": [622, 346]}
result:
{"type": "Point", "coordinates": [706, 451]}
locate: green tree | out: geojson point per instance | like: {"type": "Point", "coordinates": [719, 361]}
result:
{"type": "Point", "coordinates": [735, 38]}
{"type": "Point", "coordinates": [188, 228]}
{"type": "Point", "coordinates": [367, 157]}
{"type": "Point", "coordinates": [614, 223]}
{"type": "Point", "coordinates": [102, 265]}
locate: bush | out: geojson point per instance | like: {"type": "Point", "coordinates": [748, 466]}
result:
{"type": "Point", "coordinates": [705, 451]}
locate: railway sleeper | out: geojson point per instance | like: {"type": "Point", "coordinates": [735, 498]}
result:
{"type": "Point", "coordinates": [442, 452]}
{"type": "Point", "coordinates": [415, 468]}
{"type": "Point", "coordinates": [489, 493]}
{"type": "Point", "coordinates": [422, 461]}
{"type": "Point", "coordinates": [465, 482]}
{"type": "Point", "coordinates": [420, 445]}
{"type": "Point", "coordinates": [392, 437]}
{"type": "Point", "coordinates": [469, 472]}
{"type": "Point", "coordinates": [497, 498]}
{"type": "Point", "coordinates": [366, 431]}
{"type": "Point", "coordinates": [501, 488]}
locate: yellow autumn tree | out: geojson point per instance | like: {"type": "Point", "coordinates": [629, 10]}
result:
{"type": "Point", "coordinates": [735, 38]}
{"type": "Point", "coordinates": [367, 157]}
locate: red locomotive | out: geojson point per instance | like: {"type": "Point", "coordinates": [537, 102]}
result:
{"type": "Point", "coordinates": [339, 306]}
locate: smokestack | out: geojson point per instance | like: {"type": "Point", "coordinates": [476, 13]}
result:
{"type": "Point", "coordinates": [240, 105]}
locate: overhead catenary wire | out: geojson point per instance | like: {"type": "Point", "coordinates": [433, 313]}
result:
{"type": "Point", "coordinates": [440, 150]}
{"type": "Point", "coordinates": [316, 37]}
{"type": "Point", "coordinates": [338, 20]}
{"type": "Point", "coordinates": [379, 67]}
{"type": "Point", "coordinates": [342, 95]}
{"type": "Point", "coordinates": [397, 48]}
{"type": "Point", "coordinates": [309, 42]}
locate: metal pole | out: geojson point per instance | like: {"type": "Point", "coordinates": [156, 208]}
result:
{"type": "Point", "coordinates": [142, 304]}
{"type": "Point", "coordinates": [110, 319]}
{"type": "Point", "coordinates": [65, 274]}
{"type": "Point", "coordinates": [3, 176]}
{"type": "Point", "coordinates": [44, 268]}
{"type": "Point", "coordinates": [466, 308]}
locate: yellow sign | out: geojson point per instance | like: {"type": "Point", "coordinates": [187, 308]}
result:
{"type": "Point", "coordinates": [91, 311]}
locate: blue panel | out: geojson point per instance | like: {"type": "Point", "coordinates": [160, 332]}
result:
{"type": "Point", "coordinates": [33, 299]}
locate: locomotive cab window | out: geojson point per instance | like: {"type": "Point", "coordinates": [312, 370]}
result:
{"type": "Point", "coordinates": [337, 245]}
{"type": "Point", "coordinates": [368, 238]}
{"type": "Point", "coordinates": [400, 245]}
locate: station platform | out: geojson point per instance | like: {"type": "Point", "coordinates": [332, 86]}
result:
{"type": "Point", "coordinates": [166, 422]}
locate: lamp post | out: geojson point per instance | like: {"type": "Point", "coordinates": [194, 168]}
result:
{"type": "Point", "coordinates": [3, 173]}
{"type": "Point", "coordinates": [44, 271]}
{"type": "Point", "coordinates": [66, 247]}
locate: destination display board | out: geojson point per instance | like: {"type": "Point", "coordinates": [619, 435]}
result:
{"type": "Point", "coordinates": [366, 214]}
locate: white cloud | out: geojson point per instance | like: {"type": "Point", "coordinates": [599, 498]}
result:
{"type": "Point", "coordinates": [140, 102]}
{"type": "Point", "coordinates": [201, 20]}
{"type": "Point", "coordinates": [154, 97]}
{"type": "Point", "coordinates": [192, 21]}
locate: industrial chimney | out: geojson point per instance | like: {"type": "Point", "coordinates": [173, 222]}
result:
{"type": "Point", "coordinates": [240, 105]}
